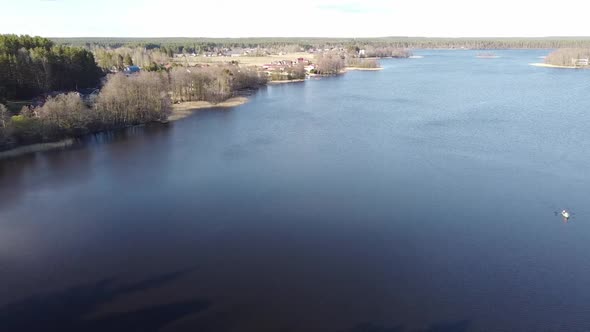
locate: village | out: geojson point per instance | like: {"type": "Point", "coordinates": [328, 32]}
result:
{"type": "Point", "coordinates": [278, 66]}
{"type": "Point", "coordinates": [277, 63]}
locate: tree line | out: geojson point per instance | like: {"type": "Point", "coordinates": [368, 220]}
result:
{"type": "Point", "coordinates": [124, 100]}
{"type": "Point", "coordinates": [30, 66]}
{"type": "Point", "coordinates": [197, 45]}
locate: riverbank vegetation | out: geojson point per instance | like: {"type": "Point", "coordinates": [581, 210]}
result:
{"type": "Point", "coordinates": [569, 57]}
{"type": "Point", "coordinates": [362, 63]}
{"type": "Point", "coordinates": [212, 83]}
{"type": "Point", "coordinates": [329, 64]}
{"type": "Point", "coordinates": [124, 100]}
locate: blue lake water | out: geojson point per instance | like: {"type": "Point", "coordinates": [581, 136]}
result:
{"type": "Point", "coordinates": [417, 198]}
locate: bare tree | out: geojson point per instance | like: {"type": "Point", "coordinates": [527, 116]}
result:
{"type": "Point", "coordinates": [63, 115]}
{"type": "Point", "coordinates": [329, 64]}
{"type": "Point", "coordinates": [129, 100]}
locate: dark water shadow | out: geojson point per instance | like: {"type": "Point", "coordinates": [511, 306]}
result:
{"type": "Point", "coordinates": [452, 326]}
{"type": "Point", "coordinates": [76, 163]}
{"type": "Point", "coordinates": [371, 327]}
{"type": "Point", "coordinates": [38, 170]}
{"type": "Point", "coordinates": [68, 310]}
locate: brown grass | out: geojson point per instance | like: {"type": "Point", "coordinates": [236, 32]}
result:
{"type": "Point", "coordinates": [182, 110]}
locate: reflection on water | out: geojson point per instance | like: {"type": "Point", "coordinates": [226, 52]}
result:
{"type": "Point", "coordinates": [71, 309]}
{"type": "Point", "coordinates": [417, 198]}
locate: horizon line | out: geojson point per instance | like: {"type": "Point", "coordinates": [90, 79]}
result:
{"type": "Point", "coordinates": [320, 37]}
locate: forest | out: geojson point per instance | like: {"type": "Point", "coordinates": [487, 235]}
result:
{"type": "Point", "coordinates": [31, 66]}
{"type": "Point", "coordinates": [198, 45]}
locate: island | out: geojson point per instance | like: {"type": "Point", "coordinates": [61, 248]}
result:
{"type": "Point", "coordinates": [568, 58]}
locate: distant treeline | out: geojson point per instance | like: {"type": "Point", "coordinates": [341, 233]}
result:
{"type": "Point", "coordinates": [124, 100]}
{"type": "Point", "coordinates": [30, 66]}
{"type": "Point", "coordinates": [189, 45]}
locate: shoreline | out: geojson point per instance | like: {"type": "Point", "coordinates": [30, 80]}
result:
{"type": "Point", "coordinates": [547, 65]}
{"type": "Point", "coordinates": [184, 109]}
{"type": "Point", "coordinates": [362, 69]}
{"type": "Point", "coordinates": [286, 81]}
{"type": "Point", "coordinates": [179, 111]}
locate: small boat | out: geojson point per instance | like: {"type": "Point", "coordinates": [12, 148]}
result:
{"type": "Point", "coordinates": [416, 56]}
{"type": "Point", "coordinates": [565, 214]}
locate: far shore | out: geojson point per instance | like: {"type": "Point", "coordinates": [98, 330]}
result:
{"type": "Point", "coordinates": [184, 109]}
{"type": "Point", "coordinates": [547, 65]}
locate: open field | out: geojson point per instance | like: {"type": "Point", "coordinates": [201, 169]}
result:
{"type": "Point", "coordinates": [244, 60]}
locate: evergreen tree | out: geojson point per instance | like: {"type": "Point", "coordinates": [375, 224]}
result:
{"type": "Point", "coordinates": [30, 66]}
{"type": "Point", "coordinates": [128, 61]}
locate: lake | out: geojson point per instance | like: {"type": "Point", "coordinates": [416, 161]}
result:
{"type": "Point", "coordinates": [418, 198]}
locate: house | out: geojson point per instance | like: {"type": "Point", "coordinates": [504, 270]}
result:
{"type": "Point", "coordinates": [88, 95]}
{"type": "Point", "coordinates": [303, 61]}
{"type": "Point", "coordinates": [581, 62]}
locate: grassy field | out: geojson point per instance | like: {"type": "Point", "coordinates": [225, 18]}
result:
{"type": "Point", "coordinates": [244, 60]}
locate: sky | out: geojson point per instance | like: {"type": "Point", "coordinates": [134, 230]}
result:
{"type": "Point", "coordinates": [294, 18]}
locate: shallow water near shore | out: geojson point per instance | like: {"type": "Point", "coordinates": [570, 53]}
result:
{"type": "Point", "coordinates": [420, 197]}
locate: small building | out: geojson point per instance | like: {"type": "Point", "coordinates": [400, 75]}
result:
{"type": "Point", "coordinates": [309, 68]}
{"type": "Point", "coordinates": [303, 61]}
{"type": "Point", "coordinates": [581, 62]}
